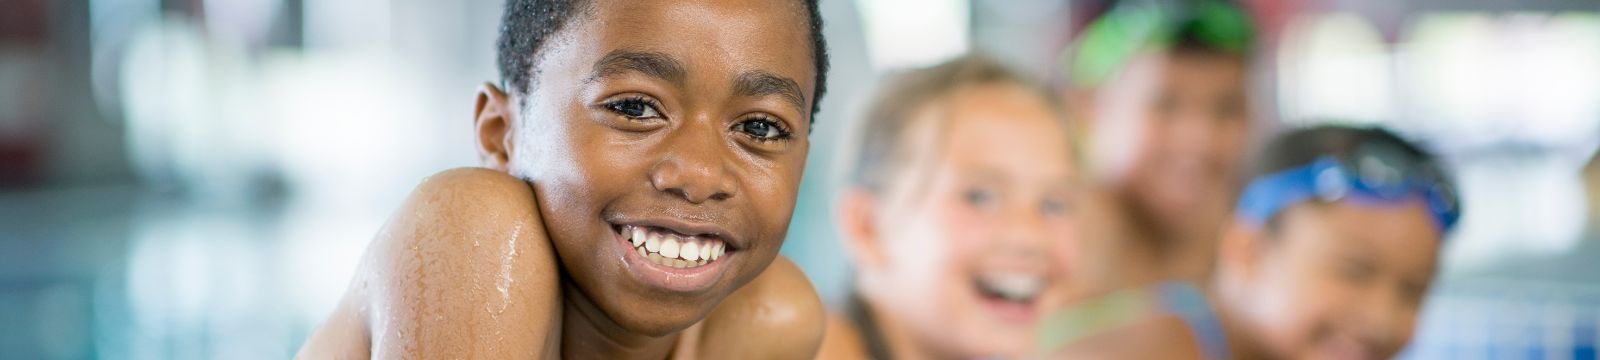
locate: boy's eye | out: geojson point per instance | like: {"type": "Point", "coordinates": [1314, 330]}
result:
{"type": "Point", "coordinates": [1357, 271]}
{"type": "Point", "coordinates": [762, 129]}
{"type": "Point", "coordinates": [1413, 293]}
{"type": "Point", "coordinates": [634, 108]}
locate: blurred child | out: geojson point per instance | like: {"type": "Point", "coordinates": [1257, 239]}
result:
{"type": "Point", "coordinates": [1332, 248]}
{"type": "Point", "coordinates": [1162, 92]}
{"type": "Point", "coordinates": [645, 158]}
{"type": "Point", "coordinates": [956, 216]}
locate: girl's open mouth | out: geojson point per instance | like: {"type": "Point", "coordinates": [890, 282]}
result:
{"type": "Point", "coordinates": [1010, 295]}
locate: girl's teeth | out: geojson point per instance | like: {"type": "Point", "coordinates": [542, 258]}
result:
{"type": "Point", "coordinates": [669, 248]}
{"type": "Point", "coordinates": [705, 253]}
{"type": "Point", "coordinates": [690, 251]}
{"type": "Point", "coordinates": [637, 235]}
{"type": "Point", "coordinates": [1014, 286]}
{"type": "Point", "coordinates": [652, 242]}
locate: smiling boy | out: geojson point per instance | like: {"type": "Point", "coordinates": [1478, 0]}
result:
{"type": "Point", "coordinates": [664, 153]}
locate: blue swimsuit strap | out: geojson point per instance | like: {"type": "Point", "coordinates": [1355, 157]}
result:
{"type": "Point", "coordinates": [1185, 301]}
{"type": "Point", "coordinates": [1129, 306]}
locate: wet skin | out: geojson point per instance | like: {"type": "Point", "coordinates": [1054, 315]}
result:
{"type": "Point", "coordinates": [642, 114]}
{"type": "Point", "coordinates": [430, 286]}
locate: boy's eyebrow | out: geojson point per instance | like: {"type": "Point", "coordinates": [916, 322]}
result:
{"type": "Point", "coordinates": [653, 64]}
{"type": "Point", "coordinates": [757, 83]}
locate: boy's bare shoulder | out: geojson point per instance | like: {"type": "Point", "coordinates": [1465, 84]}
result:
{"type": "Point", "coordinates": [477, 189]}
{"type": "Point", "coordinates": [776, 316]}
{"type": "Point", "coordinates": [463, 267]}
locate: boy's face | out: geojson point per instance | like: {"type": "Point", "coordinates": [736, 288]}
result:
{"type": "Point", "coordinates": [1187, 119]}
{"type": "Point", "coordinates": [686, 120]}
{"type": "Point", "coordinates": [975, 230]}
{"type": "Point", "coordinates": [1340, 281]}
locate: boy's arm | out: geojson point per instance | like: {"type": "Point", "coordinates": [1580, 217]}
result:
{"type": "Point", "coordinates": [464, 268]}
{"type": "Point", "coordinates": [776, 316]}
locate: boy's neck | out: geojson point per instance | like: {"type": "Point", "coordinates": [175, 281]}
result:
{"type": "Point", "coordinates": [587, 332]}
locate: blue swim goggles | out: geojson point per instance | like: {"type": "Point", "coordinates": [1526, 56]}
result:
{"type": "Point", "coordinates": [1372, 175]}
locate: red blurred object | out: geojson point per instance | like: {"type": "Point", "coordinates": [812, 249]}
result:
{"type": "Point", "coordinates": [23, 28]}
{"type": "Point", "coordinates": [23, 22]}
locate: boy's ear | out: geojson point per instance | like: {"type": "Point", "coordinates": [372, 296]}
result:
{"type": "Point", "coordinates": [1240, 250]}
{"type": "Point", "coordinates": [857, 219]}
{"type": "Point", "coordinates": [492, 123]}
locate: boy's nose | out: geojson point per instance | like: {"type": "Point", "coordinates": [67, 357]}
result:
{"type": "Point", "coordinates": [695, 168]}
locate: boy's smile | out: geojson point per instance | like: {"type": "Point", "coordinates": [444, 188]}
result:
{"type": "Point", "coordinates": [665, 152]}
{"type": "Point", "coordinates": [673, 255]}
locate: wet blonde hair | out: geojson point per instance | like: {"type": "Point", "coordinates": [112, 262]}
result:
{"type": "Point", "coordinates": [881, 151]}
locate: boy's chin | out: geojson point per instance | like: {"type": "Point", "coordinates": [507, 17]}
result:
{"type": "Point", "coordinates": [662, 318]}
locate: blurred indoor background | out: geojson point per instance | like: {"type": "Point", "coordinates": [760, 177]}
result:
{"type": "Point", "coordinates": [195, 179]}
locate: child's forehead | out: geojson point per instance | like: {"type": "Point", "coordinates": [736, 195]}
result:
{"type": "Point", "coordinates": [700, 36]}
{"type": "Point", "coordinates": [641, 17]}
{"type": "Point", "coordinates": [1402, 232]}
{"type": "Point", "coordinates": [993, 135]}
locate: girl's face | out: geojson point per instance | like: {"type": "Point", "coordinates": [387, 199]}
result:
{"type": "Point", "coordinates": [975, 228]}
{"type": "Point", "coordinates": [1338, 281]}
{"type": "Point", "coordinates": [683, 120]}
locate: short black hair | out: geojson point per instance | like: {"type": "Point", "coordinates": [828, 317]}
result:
{"type": "Point", "coordinates": [528, 24]}
{"type": "Point", "coordinates": [1304, 146]}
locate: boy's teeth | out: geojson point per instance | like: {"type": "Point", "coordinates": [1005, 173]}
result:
{"type": "Point", "coordinates": [652, 242]}
{"type": "Point", "coordinates": [672, 250]}
{"type": "Point", "coordinates": [690, 251]}
{"type": "Point", "coordinates": [669, 248]}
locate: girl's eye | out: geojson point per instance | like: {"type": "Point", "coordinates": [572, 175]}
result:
{"type": "Point", "coordinates": [1053, 207]}
{"type": "Point", "coordinates": [978, 197]}
{"type": "Point", "coordinates": [634, 108]}
{"type": "Point", "coordinates": [763, 129]}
